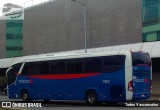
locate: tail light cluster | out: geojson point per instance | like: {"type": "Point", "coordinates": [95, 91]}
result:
{"type": "Point", "coordinates": [130, 86]}
{"type": "Point", "coordinates": [150, 84]}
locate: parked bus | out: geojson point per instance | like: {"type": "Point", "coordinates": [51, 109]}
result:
{"type": "Point", "coordinates": [10, 9]}
{"type": "Point", "coordinates": [101, 77]}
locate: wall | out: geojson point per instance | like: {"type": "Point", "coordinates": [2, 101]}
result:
{"type": "Point", "coordinates": [14, 37]}
{"type": "Point", "coordinates": [151, 20]}
{"type": "Point", "coordinates": [2, 38]}
{"type": "Point", "coordinates": [58, 26]}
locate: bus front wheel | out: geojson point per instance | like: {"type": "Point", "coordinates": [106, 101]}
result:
{"type": "Point", "coordinates": [25, 96]}
{"type": "Point", "coordinates": [91, 98]}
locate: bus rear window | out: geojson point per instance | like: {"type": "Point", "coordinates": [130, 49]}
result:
{"type": "Point", "coordinates": [139, 58]}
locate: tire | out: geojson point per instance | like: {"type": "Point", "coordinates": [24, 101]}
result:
{"type": "Point", "coordinates": [91, 98]}
{"type": "Point", "coordinates": [25, 96]}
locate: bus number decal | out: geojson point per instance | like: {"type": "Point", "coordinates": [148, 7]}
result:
{"type": "Point", "coordinates": [106, 81]}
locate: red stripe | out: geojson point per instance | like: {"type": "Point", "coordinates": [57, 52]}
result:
{"type": "Point", "coordinates": [63, 76]}
{"type": "Point", "coordinates": [142, 65]}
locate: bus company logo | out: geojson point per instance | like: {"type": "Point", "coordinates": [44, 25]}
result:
{"type": "Point", "coordinates": [24, 81]}
{"type": "Point", "coordinates": [6, 104]}
{"type": "Point", "coordinates": [139, 80]}
{"type": "Point", "coordinates": [20, 105]}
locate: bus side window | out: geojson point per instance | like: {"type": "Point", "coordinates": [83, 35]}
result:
{"type": "Point", "coordinates": [32, 70]}
{"type": "Point", "coordinates": [15, 68]}
{"type": "Point", "coordinates": [70, 66]}
{"type": "Point", "coordinates": [45, 67]}
{"type": "Point", "coordinates": [35, 68]}
{"type": "Point", "coordinates": [93, 64]}
{"type": "Point", "coordinates": [57, 66]}
{"type": "Point", "coordinates": [25, 70]}
{"type": "Point", "coordinates": [12, 73]}
{"type": "Point", "coordinates": [108, 63]}
{"type": "Point", "coordinates": [28, 69]}
{"type": "Point", "coordinates": [38, 69]}
{"type": "Point", "coordinates": [74, 66]}
{"type": "Point", "coordinates": [78, 65]}
{"type": "Point", "coordinates": [119, 60]}
{"type": "Point", "coordinates": [113, 63]}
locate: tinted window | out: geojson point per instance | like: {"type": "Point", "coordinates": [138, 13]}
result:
{"type": "Point", "coordinates": [140, 58]}
{"type": "Point", "coordinates": [57, 66]}
{"type": "Point", "coordinates": [113, 63]}
{"type": "Point", "coordinates": [16, 68]}
{"type": "Point", "coordinates": [32, 70]}
{"type": "Point", "coordinates": [78, 65]}
{"type": "Point", "coordinates": [29, 69]}
{"type": "Point", "coordinates": [70, 66]}
{"type": "Point", "coordinates": [38, 68]}
{"type": "Point", "coordinates": [12, 73]}
{"type": "Point", "coordinates": [119, 60]}
{"type": "Point", "coordinates": [74, 66]}
{"type": "Point", "coordinates": [46, 67]}
{"type": "Point", "coordinates": [26, 68]}
{"type": "Point", "coordinates": [93, 64]}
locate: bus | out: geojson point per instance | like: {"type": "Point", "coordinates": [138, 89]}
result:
{"type": "Point", "coordinates": [10, 8]}
{"type": "Point", "coordinates": [99, 77]}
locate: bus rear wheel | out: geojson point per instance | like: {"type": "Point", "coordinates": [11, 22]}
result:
{"type": "Point", "coordinates": [25, 96]}
{"type": "Point", "coordinates": [91, 98]}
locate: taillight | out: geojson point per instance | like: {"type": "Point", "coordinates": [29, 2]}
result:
{"type": "Point", "coordinates": [140, 51]}
{"type": "Point", "coordinates": [130, 86]}
{"type": "Point", "coordinates": [150, 84]}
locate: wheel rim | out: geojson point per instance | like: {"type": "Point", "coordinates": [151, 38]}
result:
{"type": "Point", "coordinates": [25, 97]}
{"type": "Point", "coordinates": [92, 98]}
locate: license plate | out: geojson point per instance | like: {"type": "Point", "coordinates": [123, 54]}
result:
{"type": "Point", "coordinates": [142, 95]}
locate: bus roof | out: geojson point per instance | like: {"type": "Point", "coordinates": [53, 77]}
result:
{"type": "Point", "coordinates": [66, 56]}
{"type": "Point", "coordinates": [7, 62]}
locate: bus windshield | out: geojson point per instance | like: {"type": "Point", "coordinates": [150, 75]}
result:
{"type": "Point", "coordinates": [12, 73]}
{"type": "Point", "coordinates": [140, 58]}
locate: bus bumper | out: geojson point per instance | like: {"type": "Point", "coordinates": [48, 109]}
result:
{"type": "Point", "coordinates": [141, 96]}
